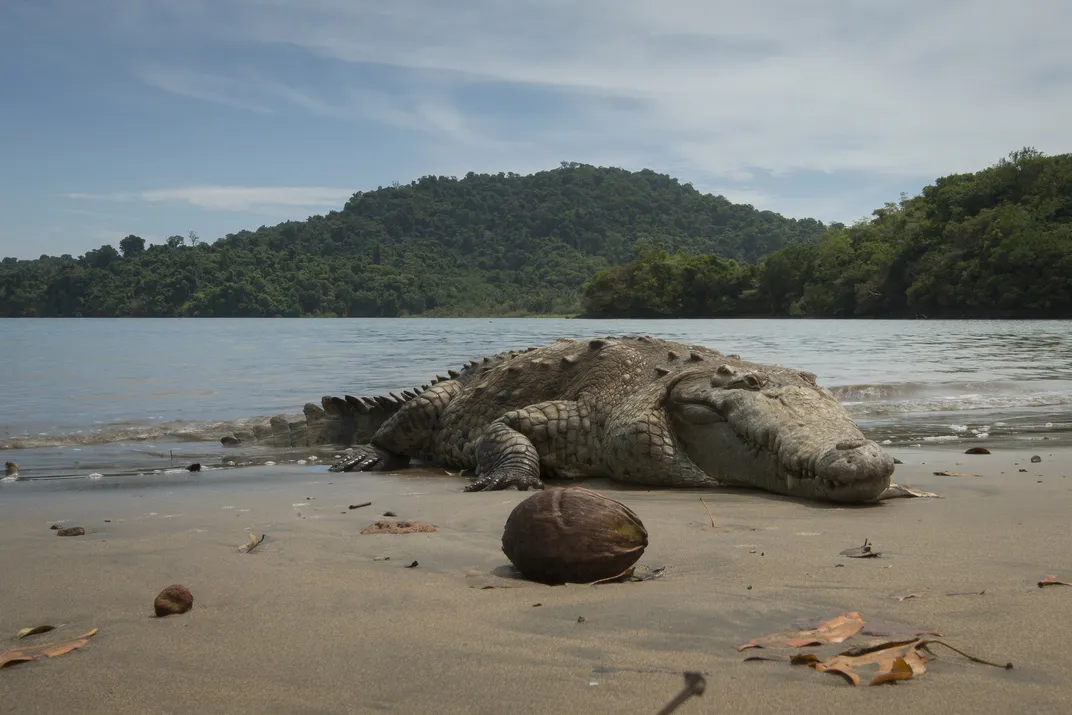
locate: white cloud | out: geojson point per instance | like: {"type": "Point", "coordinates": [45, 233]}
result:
{"type": "Point", "coordinates": [199, 85]}
{"type": "Point", "coordinates": [917, 88]}
{"type": "Point", "coordinates": [269, 199]}
{"type": "Point", "coordinates": [725, 94]}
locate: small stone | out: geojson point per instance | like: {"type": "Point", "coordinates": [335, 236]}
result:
{"type": "Point", "coordinates": [1036, 459]}
{"type": "Point", "coordinates": [11, 469]}
{"type": "Point", "coordinates": [71, 531]}
{"type": "Point", "coordinates": [977, 450]}
{"type": "Point", "coordinates": [195, 467]}
{"type": "Point", "coordinates": [389, 513]}
{"type": "Point", "coordinates": [173, 600]}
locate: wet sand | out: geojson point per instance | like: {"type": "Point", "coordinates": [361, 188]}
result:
{"type": "Point", "coordinates": [311, 622]}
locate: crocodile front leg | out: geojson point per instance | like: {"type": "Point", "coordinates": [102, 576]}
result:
{"type": "Point", "coordinates": [408, 433]}
{"type": "Point", "coordinates": [548, 437]}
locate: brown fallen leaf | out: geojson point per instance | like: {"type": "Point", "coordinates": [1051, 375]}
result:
{"type": "Point", "coordinates": [895, 631]}
{"type": "Point", "coordinates": [956, 474]}
{"type": "Point", "coordinates": [1051, 580]}
{"type": "Point", "coordinates": [791, 658]}
{"type": "Point", "coordinates": [254, 542]}
{"type": "Point", "coordinates": [861, 552]}
{"type": "Point", "coordinates": [397, 527]}
{"type": "Point", "coordinates": [891, 662]}
{"type": "Point", "coordinates": [834, 630]}
{"type": "Point", "coordinates": [44, 650]}
{"type": "Point", "coordinates": [898, 660]}
{"type": "Point", "coordinates": [33, 631]}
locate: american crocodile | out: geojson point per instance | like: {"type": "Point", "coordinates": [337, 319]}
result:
{"type": "Point", "coordinates": [633, 409]}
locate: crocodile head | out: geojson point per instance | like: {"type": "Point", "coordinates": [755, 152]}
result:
{"type": "Point", "coordinates": [775, 429]}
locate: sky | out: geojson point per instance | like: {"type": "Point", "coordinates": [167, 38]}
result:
{"type": "Point", "coordinates": [162, 117]}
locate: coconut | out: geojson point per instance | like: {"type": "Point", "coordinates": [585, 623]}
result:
{"type": "Point", "coordinates": [572, 535]}
{"type": "Point", "coordinates": [173, 600]}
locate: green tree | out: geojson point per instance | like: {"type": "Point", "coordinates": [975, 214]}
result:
{"type": "Point", "coordinates": [132, 246]}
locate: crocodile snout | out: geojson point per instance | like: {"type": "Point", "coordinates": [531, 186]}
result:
{"type": "Point", "coordinates": [859, 469]}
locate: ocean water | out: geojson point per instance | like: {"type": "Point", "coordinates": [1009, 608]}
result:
{"type": "Point", "coordinates": [97, 398]}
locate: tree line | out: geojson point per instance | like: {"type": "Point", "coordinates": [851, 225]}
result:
{"type": "Point", "coordinates": [994, 243]}
{"type": "Point", "coordinates": [483, 244]}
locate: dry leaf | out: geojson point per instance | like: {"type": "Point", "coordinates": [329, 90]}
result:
{"type": "Point", "coordinates": [891, 630]}
{"type": "Point", "coordinates": [254, 542]}
{"type": "Point", "coordinates": [956, 474]}
{"type": "Point", "coordinates": [792, 658]}
{"type": "Point", "coordinates": [834, 630]}
{"type": "Point", "coordinates": [44, 650]}
{"type": "Point", "coordinates": [33, 631]}
{"type": "Point", "coordinates": [1051, 580]}
{"type": "Point", "coordinates": [861, 552]}
{"type": "Point", "coordinates": [892, 662]}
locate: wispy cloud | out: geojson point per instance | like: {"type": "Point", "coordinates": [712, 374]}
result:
{"type": "Point", "coordinates": [916, 88]}
{"type": "Point", "coordinates": [235, 198]}
{"type": "Point", "coordinates": [199, 85]}
{"type": "Point", "coordinates": [824, 109]}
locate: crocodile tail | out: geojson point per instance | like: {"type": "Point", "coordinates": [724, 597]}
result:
{"type": "Point", "coordinates": [351, 420]}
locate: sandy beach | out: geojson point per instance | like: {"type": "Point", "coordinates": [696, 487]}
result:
{"type": "Point", "coordinates": [315, 621]}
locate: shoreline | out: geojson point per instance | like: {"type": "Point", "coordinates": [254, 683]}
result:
{"type": "Point", "coordinates": [312, 622]}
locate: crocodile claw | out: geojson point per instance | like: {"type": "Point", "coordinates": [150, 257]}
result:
{"type": "Point", "coordinates": [499, 479]}
{"type": "Point", "coordinates": [367, 458]}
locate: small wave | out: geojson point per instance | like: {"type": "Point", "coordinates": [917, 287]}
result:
{"type": "Point", "coordinates": [185, 431]}
{"type": "Point", "coordinates": [959, 402]}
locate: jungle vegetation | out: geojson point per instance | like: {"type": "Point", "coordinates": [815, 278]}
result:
{"type": "Point", "coordinates": [484, 244]}
{"type": "Point", "coordinates": [995, 243]}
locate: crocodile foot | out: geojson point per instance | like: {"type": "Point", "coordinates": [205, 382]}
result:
{"type": "Point", "coordinates": [498, 479]}
{"type": "Point", "coordinates": [368, 458]}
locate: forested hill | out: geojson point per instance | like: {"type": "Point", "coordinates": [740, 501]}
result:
{"type": "Point", "coordinates": [995, 243]}
{"type": "Point", "coordinates": [481, 245]}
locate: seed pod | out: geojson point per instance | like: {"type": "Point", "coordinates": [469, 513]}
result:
{"type": "Point", "coordinates": [572, 535]}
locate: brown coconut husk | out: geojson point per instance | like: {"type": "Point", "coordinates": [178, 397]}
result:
{"type": "Point", "coordinates": [572, 535]}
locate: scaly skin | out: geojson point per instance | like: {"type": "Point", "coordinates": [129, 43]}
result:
{"type": "Point", "coordinates": [633, 409]}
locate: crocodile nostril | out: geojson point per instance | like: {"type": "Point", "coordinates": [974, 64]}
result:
{"type": "Point", "coordinates": [851, 444]}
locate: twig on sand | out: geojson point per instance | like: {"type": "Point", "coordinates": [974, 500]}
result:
{"type": "Point", "coordinates": [708, 511]}
{"type": "Point", "coordinates": [694, 685]}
